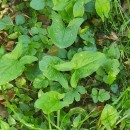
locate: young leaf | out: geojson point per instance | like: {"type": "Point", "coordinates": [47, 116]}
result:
{"type": "Point", "coordinates": [63, 36]}
{"type": "Point", "coordinates": [19, 19]}
{"type": "Point", "coordinates": [37, 4]}
{"type": "Point", "coordinates": [24, 39]}
{"type": "Point", "coordinates": [5, 22]}
{"type": "Point", "coordinates": [109, 117]}
{"type": "Point", "coordinates": [103, 95]}
{"type": "Point", "coordinates": [102, 8]}
{"type": "Point", "coordinates": [50, 102]}
{"type": "Point", "coordinates": [16, 53]}
{"type": "Point", "coordinates": [40, 82]}
{"type": "Point", "coordinates": [94, 95]}
{"type": "Point", "coordinates": [4, 125]}
{"type": "Point", "coordinates": [78, 9]}
{"type": "Point", "coordinates": [46, 66]}
{"type": "Point", "coordinates": [112, 68]}
{"type": "Point", "coordinates": [113, 52]}
{"type": "Point", "coordinates": [60, 4]}
{"type": "Point", "coordinates": [76, 121]}
{"type": "Point", "coordinates": [75, 95]}
{"type": "Point", "coordinates": [13, 35]}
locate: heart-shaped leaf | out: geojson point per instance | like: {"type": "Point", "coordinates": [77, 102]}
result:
{"type": "Point", "coordinates": [63, 36]}
{"type": "Point", "coordinates": [50, 102]}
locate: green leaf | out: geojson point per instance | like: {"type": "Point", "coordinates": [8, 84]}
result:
{"type": "Point", "coordinates": [24, 39]}
{"type": "Point", "coordinates": [103, 95]}
{"type": "Point", "coordinates": [76, 121]}
{"type": "Point", "coordinates": [75, 95]}
{"type": "Point", "coordinates": [102, 8]}
{"type": "Point", "coordinates": [84, 63]}
{"type": "Point", "coordinates": [50, 102]}
{"type": "Point", "coordinates": [109, 117]}
{"type": "Point", "coordinates": [4, 125]}
{"type": "Point", "coordinates": [5, 22]}
{"type": "Point", "coordinates": [112, 69]}
{"type": "Point", "coordinates": [11, 120]}
{"type": "Point", "coordinates": [11, 67]}
{"type": "Point", "coordinates": [94, 95]}
{"type": "Point", "coordinates": [40, 82]}
{"type": "Point", "coordinates": [113, 52]}
{"type": "Point", "coordinates": [19, 19]}
{"type": "Point", "coordinates": [37, 4]}
{"type": "Point", "coordinates": [46, 66]}
{"type": "Point", "coordinates": [80, 59]}
{"type": "Point", "coordinates": [34, 30]}
{"type": "Point", "coordinates": [32, 72]}
{"type": "Point", "coordinates": [60, 4]}
{"type": "Point", "coordinates": [16, 53]}
{"type": "Point", "coordinates": [63, 36]}
{"type": "Point", "coordinates": [13, 35]}
{"type": "Point", "coordinates": [78, 9]}
{"type": "Point", "coordinates": [27, 59]}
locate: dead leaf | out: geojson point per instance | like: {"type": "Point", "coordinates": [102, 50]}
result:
{"type": "Point", "coordinates": [96, 22]}
{"type": "Point", "coordinates": [113, 36]}
{"type": "Point", "coordinates": [10, 45]}
{"type": "Point", "coordinates": [3, 112]}
{"type": "Point", "coordinates": [1, 97]}
{"type": "Point", "coordinates": [125, 5]}
{"type": "Point", "coordinates": [101, 38]}
{"type": "Point", "coordinates": [10, 94]}
{"type": "Point", "coordinates": [53, 50]}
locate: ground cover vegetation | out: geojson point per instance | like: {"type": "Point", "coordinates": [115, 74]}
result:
{"type": "Point", "coordinates": [64, 65]}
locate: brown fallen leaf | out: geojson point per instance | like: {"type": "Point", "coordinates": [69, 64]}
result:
{"type": "Point", "coordinates": [96, 22]}
{"type": "Point", "coordinates": [1, 97]}
{"type": "Point", "coordinates": [10, 94]}
{"type": "Point", "coordinates": [125, 5]}
{"type": "Point", "coordinates": [53, 50]}
{"type": "Point", "coordinates": [101, 38]}
{"type": "Point", "coordinates": [10, 45]}
{"type": "Point", "coordinates": [3, 112]}
{"type": "Point", "coordinates": [113, 36]}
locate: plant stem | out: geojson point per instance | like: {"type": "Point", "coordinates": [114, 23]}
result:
{"type": "Point", "coordinates": [49, 122]}
{"type": "Point", "coordinates": [58, 118]}
{"type": "Point", "coordinates": [16, 114]}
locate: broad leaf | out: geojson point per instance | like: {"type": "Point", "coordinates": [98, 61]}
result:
{"type": "Point", "coordinates": [103, 95]}
{"type": "Point", "coordinates": [84, 64]}
{"type": "Point", "coordinates": [86, 70]}
{"type": "Point", "coordinates": [102, 8]}
{"type": "Point", "coordinates": [50, 102]}
{"type": "Point", "coordinates": [75, 95]}
{"type": "Point", "coordinates": [112, 69]}
{"type": "Point", "coordinates": [16, 53]}
{"type": "Point", "coordinates": [46, 66]}
{"type": "Point", "coordinates": [60, 4]}
{"type": "Point", "coordinates": [79, 60]}
{"type": "Point", "coordinates": [94, 95]}
{"type": "Point", "coordinates": [78, 9]}
{"type": "Point", "coordinates": [19, 19]}
{"type": "Point", "coordinates": [40, 82]}
{"type": "Point", "coordinates": [5, 22]}
{"type": "Point", "coordinates": [109, 117]}
{"type": "Point", "coordinates": [63, 36]}
{"type": "Point", "coordinates": [11, 67]}
{"type": "Point", "coordinates": [27, 59]}
{"type": "Point", "coordinates": [37, 4]}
